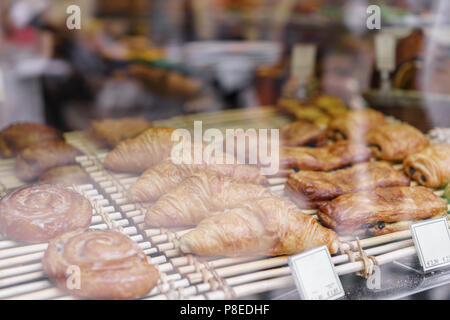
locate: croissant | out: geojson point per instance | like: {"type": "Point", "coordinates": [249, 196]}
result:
{"type": "Point", "coordinates": [302, 133]}
{"type": "Point", "coordinates": [35, 160]}
{"type": "Point", "coordinates": [305, 188]}
{"type": "Point", "coordinates": [380, 211]}
{"type": "Point", "coordinates": [19, 136]}
{"type": "Point", "coordinates": [337, 155]}
{"type": "Point", "coordinates": [166, 175]}
{"type": "Point", "coordinates": [113, 131]}
{"type": "Point", "coordinates": [198, 197]}
{"type": "Point", "coordinates": [140, 153]}
{"type": "Point", "coordinates": [394, 142]}
{"type": "Point", "coordinates": [267, 226]}
{"type": "Point", "coordinates": [355, 124]}
{"type": "Point", "coordinates": [430, 167]}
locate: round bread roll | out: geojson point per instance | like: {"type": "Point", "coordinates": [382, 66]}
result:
{"type": "Point", "coordinates": [39, 213]}
{"type": "Point", "coordinates": [65, 175]}
{"type": "Point", "coordinates": [109, 264]}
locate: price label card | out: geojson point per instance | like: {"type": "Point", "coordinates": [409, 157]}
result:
{"type": "Point", "coordinates": [303, 60]}
{"type": "Point", "coordinates": [315, 276]}
{"type": "Point", "coordinates": [432, 241]}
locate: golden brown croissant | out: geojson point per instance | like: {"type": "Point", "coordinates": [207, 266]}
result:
{"type": "Point", "coordinates": [140, 153]}
{"type": "Point", "coordinates": [113, 131]}
{"type": "Point", "coordinates": [19, 136]}
{"type": "Point", "coordinates": [65, 175]}
{"type": "Point", "coordinates": [430, 167]}
{"type": "Point", "coordinates": [394, 142]}
{"type": "Point", "coordinates": [337, 155]}
{"type": "Point", "coordinates": [355, 124]}
{"type": "Point", "coordinates": [35, 160]}
{"type": "Point", "coordinates": [302, 133]}
{"type": "Point", "coordinates": [200, 196]}
{"type": "Point", "coordinates": [307, 187]}
{"type": "Point", "coordinates": [381, 211]}
{"type": "Point", "coordinates": [268, 226]}
{"type": "Point", "coordinates": [164, 176]}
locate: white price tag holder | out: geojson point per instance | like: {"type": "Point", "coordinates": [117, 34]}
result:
{"type": "Point", "coordinates": [432, 241]}
{"type": "Point", "coordinates": [385, 51]}
{"type": "Point", "coordinates": [303, 61]}
{"type": "Point", "coordinates": [315, 276]}
{"type": "Point", "coordinates": [385, 46]}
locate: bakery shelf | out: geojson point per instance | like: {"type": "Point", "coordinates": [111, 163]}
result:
{"type": "Point", "coordinates": [186, 276]}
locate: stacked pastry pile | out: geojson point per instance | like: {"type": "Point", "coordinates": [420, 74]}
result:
{"type": "Point", "coordinates": [232, 210]}
{"type": "Point", "coordinates": [43, 154]}
{"type": "Point", "coordinates": [369, 197]}
{"type": "Point", "coordinates": [111, 265]}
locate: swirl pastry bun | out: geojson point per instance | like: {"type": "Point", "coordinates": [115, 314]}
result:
{"type": "Point", "coordinates": [39, 213]}
{"type": "Point", "coordinates": [111, 265]}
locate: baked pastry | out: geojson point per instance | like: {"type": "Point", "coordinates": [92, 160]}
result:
{"type": "Point", "coordinates": [35, 160]}
{"type": "Point", "coordinates": [199, 197]}
{"type": "Point", "coordinates": [394, 142]}
{"type": "Point", "coordinates": [113, 131]}
{"type": "Point", "coordinates": [65, 175]}
{"type": "Point", "coordinates": [39, 213]}
{"type": "Point", "coordinates": [333, 106]}
{"type": "Point", "coordinates": [307, 187]}
{"type": "Point", "coordinates": [430, 167]}
{"type": "Point", "coordinates": [166, 175]}
{"type": "Point", "coordinates": [354, 125]}
{"type": "Point", "coordinates": [19, 136]}
{"type": "Point", "coordinates": [337, 155]}
{"type": "Point", "coordinates": [140, 153]}
{"type": "Point", "coordinates": [111, 265]}
{"type": "Point", "coordinates": [302, 133]}
{"type": "Point", "coordinates": [268, 226]}
{"type": "Point", "coordinates": [381, 211]}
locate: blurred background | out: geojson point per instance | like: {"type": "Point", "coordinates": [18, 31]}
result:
{"type": "Point", "coordinates": [160, 58]}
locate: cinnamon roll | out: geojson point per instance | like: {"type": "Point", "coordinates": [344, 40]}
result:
{"type": "Point", "coordinates": [110, 265]}
{"type": "Point", "coordinates": [39, 213]}
{"type": "Point", "coordinates": [430, 167]}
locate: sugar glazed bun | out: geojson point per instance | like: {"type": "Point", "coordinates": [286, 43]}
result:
{"type": "Point", "coordinates": [39, 213]}
{"type": "Point", "coordinates": [111, 265]}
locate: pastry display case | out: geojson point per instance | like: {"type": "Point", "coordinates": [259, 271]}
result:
{"type": "Point", "coordinates": [210, 157]}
